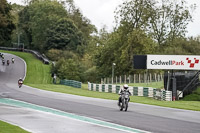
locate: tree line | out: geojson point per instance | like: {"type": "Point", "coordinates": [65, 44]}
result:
{"type": "Point", "coordinates": [65, 35]}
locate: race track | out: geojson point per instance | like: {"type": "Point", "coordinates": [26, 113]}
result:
{"type": "Point", "coordinates": [143, 117]}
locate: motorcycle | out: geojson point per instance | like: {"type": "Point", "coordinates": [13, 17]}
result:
{"type": "Point", "coordinates": [13, 61]}
{"type": "Point", "coordinates": [20, 84]}
{"type": "Point", "coordinates": [8, 62]}
{"type": "Point", "coordinates": [124, 101]}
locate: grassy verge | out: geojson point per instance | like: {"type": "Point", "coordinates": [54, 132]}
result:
{"type": "Point", "coordinates": [8, 128]}
{"type": "Point", "coordinates": [42, 70]}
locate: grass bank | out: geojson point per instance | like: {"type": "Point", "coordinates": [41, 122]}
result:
{"type": "Point", "coordinates": [8, 128]}
{"type": "Point", "coordinates": [36, 66]}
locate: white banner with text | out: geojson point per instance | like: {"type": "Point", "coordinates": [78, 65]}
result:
{"type": "Point", "coordinates": [178, 62]}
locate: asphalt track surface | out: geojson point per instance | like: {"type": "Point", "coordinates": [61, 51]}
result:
{"type": "Point", "coordinates": [145, 117]}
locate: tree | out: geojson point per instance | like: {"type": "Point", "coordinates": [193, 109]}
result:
{"type": "Point", "coordinates": [134, 14]}
{"type": "Point", "coordinates": [169, 20]}
{"type": "Point", "coordinates": [63, 35]}
{"type": "Point", "coordinates": [36, 18]}
{"type": "Point", "coordinates": [6, 22]}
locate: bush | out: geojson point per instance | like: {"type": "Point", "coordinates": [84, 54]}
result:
{"type": "Point", "coordinates": [195, 96]}
{"type": "Point", "coordinates": [68, 69]}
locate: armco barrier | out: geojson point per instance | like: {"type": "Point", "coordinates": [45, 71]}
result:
{"type": "Point", "coordinates": [145, 92]}
{"type": "Point", "coordinates": [37, 54]}
{"type": "Point", "coordinates": [73, 83]}
{"type": "Point", "coordinates": [117, 88]}
{"type": "Point", "coordinates": [103, 88]}
{"type": "Point", "coordinates": [136, 91]}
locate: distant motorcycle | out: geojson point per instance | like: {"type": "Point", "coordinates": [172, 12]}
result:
{"type": "Point", "coordinates": [8, 62]}
{"type": "Point", "coordinates": [3, 62]}
{"type": "Point", "coordinates": [124, 101]}
{"type": "Point", "coordinates": [13, 60]}
{"type": "Point", "coordinates": [20, 83]}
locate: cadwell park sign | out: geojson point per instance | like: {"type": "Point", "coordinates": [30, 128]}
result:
{"type": "Point", "coordinates": [169, 62]}
{"type": "Point", "coordinates": [181, 62]}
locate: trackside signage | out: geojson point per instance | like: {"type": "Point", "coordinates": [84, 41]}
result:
{"type": "Point", "coordinates": [180, 62]}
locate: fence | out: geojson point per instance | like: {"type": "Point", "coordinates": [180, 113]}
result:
{"type": "Point", "coordinates": [135, 91]}
{"type": "Point", "coordinates": [71, 83]}
{"type": "Point", "coordinates": [136, 78]}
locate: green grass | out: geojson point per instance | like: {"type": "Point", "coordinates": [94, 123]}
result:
{"type": "Point", "coordinates": [8, 128]}
{"type": "Point", "coordinates": [37, 69]}
{"type": "Point", "coordinates": [195, 96]}
{"type": "Point", "coordinates": [37, 72]}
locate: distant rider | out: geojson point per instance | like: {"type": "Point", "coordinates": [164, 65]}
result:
{"type": "Point", "coordinates": [13, 60]}
{"type": "Point", "coordinates": [125, 88]}
{"type": "Point", "coordinates": [2, 56]}
{"type": "Point", "coordinates": [3, 61]}
{"type": "Point", "coordinates": [8, 62]}
{"type": "Point", "coordinates": [20, 81]}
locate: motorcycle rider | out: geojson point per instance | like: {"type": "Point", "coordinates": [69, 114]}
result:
{"type": "Point", "coordinates": [13, 60]}
{"type": "Point", "coordinates": [2, 56]}
{"type": "Point", "coordinates": [20, 81]}
{"type": "Point", "coordinates": [8, 62]}
{"type": "Point", "coordinates": [3, 61]}
{"type": "Point", "coordinates": [125, 88]}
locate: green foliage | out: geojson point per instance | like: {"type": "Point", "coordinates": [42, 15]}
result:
{"type": "Point", "coordinates": [195, 96]}
{"type": "Point", "coordinates": [120, 49]}
{"type": "Point", "coordinates": [37, 18]}
{"type": "Point", "coordinates": [90, 75]}
{"type": "Point", "coordinates": [63, 35]}
{"type": "Point", "coordinates": [165, 20]}
{"type": "Point", "coordinates": [54, 54]}
{"type": "Point", "coordinates": [169, 20]}
{"type": "Point", "coordinates": [6, 22]}
{"type": "Point", "coordinates": [68, 69]}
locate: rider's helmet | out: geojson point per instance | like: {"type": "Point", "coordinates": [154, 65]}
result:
{"type": "Point", "coordinates": [125, 86]}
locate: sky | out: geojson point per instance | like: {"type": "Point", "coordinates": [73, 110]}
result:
{"type": "Point", "coordinates": [101, 13]}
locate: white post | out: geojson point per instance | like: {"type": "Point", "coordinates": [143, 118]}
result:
{"type": "Point", "coordinates": [112, 79]}
{"type": "Point", "coordinates": [134, 78]}
{"type": "Point", "coordinates": [125, 79]}
{"type": "Point", "coordinates": [129, 79]}
{"type": "Point", "coordinates": [155, 77]}
{"type": "Point", "coordinates": [139, 77]}
{"type": "Point", "coordinates": [150, 77]}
